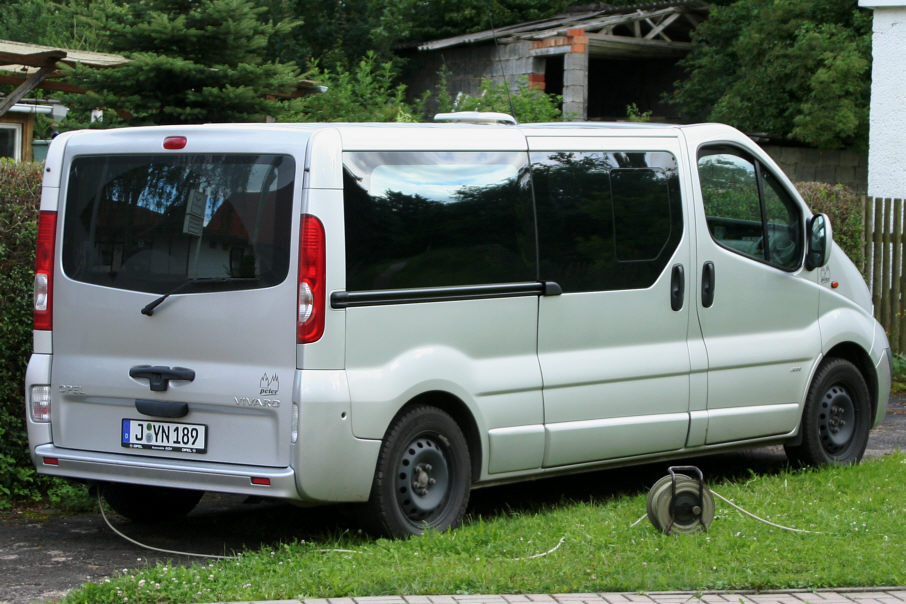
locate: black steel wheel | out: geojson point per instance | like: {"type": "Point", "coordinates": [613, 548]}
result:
{"type": "Point", "coordinates": [836, 419]}
{"type": "Point", "coordinates": [423, 475]}
{"type": "Point", "coordinates": [148, 504]}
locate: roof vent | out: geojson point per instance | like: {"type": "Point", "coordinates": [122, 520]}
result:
{"type": "Point", "coordinates": [476, 117]}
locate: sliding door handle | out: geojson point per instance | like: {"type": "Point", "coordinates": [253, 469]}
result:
{"type": "Point", "coordinates": [677, 287]}
{"type": "Point", "coordinates": [708, 284]}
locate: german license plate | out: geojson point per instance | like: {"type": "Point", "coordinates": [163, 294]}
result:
{"type": "Point", "coordinates": [164, 436]}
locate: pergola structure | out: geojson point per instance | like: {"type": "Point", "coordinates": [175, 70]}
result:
{"type": "Point", "coordinates": [30, 66]}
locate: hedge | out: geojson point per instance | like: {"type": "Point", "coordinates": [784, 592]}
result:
{"type": "Point", "coordinates": [20, 195]}
{"type": "Point", "coordinates": [844, 208]}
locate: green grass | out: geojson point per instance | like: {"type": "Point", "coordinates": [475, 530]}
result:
{"type": "Point", "coordinates": [859, 511]}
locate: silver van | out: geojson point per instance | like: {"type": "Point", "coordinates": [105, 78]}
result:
{"type": "Point", "coordinates": [394, 314]}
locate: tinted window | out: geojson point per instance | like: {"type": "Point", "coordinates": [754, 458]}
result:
{"type": "Point", "coordinates": [431, 219]}
{"type": "Point", "coordinates": [747, 208]}
{"type": "Point", "coordinates": [606, 221]}
{"type": "Point", "coordinates": [149, 222]}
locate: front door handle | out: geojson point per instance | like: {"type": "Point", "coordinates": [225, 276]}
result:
{"type": "Point", "coordinates": [677, 287]}
{"type": "Point", "coordinates": [159, 377]}
{"type": "Point", "coordinates": [708, 284]}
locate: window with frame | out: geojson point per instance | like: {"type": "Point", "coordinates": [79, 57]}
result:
{"type": "Point", "coordinates": [606, 220]}
{"type": "Point", "coordinates": [748, 210]}
{"type": "Point", "coordinates": [437, 219]}
{"type": "Point", "coordinates": [11, 140]}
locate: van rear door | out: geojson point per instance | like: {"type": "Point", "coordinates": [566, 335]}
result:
{"type": "Point", "coordinates": [174, 309]}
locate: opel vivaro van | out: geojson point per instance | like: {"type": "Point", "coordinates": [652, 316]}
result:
{"type": "Point", "coordinates": [394, 314]}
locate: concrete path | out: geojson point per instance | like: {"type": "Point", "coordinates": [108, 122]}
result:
{"type": "Point", "coordinates": [878, 595]}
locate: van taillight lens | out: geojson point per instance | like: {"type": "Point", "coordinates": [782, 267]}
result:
{"type": "Point", "coordinates": [39, 403]}
{"type": "Point", "coordinates": [312, 298]}
{"type": "Point", "coordinates": [44, 252]}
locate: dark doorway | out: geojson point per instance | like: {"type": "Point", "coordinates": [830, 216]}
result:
{"type": "Point", "coordinates": [553, 75]}
{"type": "Point", "coordinates": [614, 84]}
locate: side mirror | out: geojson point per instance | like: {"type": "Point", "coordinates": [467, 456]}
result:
{"type": "Point", "coordinates": [820, 236]}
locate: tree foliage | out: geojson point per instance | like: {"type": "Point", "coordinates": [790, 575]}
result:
{"type": "Point", "coordinates": [792, 69]}
{"type": "Point", "coordinates": [192, 61]}
{"type": "Point", "coordinates": [52, 23]}
{"type": "Point", "coordinates": [365, 93]}
{"type": "Point", "coordinates": [525, 103]}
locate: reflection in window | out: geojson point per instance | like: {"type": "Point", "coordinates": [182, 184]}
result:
{"type": "Point", "coordinates": [606, 221]}
{"type": "Point", "coordinates": [433, 219]}
{"type": "Point", "coordinates": [149, 222]}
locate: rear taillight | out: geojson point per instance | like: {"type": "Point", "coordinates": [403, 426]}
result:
{"type": "Point", "coordinates": [44, 252]}
{"type": "Point", "coordinates": [39, 403]}
{"type": "Point", "coordinates": [311, 301]}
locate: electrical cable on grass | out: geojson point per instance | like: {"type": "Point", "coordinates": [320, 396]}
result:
{"type": "Point", "coordinates": [747, 513]}
{"type": "Point", "coordinates": [541, 555]}
{"type": "Point", "coordinates": [193, 555]}
{"type": "Point", "coordinates": [768, 522]}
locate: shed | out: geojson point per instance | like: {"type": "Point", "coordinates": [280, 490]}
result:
{"type": "Point", "coordinates": [600, 58]}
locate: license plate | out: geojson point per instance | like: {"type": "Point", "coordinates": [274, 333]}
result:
{"type": "Point", "coordinates": [164, 436]}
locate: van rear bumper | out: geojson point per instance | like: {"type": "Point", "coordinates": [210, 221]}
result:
{"type": "Point", "coordinates": [222, 478]}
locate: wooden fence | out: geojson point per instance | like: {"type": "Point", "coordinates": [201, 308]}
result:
{"type": "Point", "coordinates": [883, 265]}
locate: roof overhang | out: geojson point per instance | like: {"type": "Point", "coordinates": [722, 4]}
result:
{"type": "Point", "coordinates": [660, 30]}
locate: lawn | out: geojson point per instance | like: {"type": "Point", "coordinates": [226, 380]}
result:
{"type": "Point", "coordinates": [857, 510]}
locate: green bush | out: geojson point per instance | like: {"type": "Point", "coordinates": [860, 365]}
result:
{"type": "Point", "coordinates": [844, 208]}
{"type": "Point", "coordinates": [20, 193]}
{"type": "Point", "coordinates": [527, 104]}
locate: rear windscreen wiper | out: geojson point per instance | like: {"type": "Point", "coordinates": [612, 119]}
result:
{"type": "Point", "coordinates": [149, 308]}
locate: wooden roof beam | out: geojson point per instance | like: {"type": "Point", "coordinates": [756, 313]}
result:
{"type": "Point", "coordinates": [30, 83]}
{"type": "Point", "coordinates": [659, 29]}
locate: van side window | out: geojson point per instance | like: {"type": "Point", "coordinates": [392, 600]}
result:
{"type": "Point", "coordinates": [606, 221]}
{"type": "Point", "coordinates": [435, 219]}
{"type": "Point", "coordinates": [747, 209]}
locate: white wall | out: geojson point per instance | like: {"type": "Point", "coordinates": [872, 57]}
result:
{"type": "Point", "coordinates": [887, 135]}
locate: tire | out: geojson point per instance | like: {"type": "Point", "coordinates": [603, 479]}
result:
{"type": "Point", "coordinates": [836, 419]}
{"type": "Point", "coordinates": [145, 504]}
{"type": "Point", "coordinates": [423, 475]}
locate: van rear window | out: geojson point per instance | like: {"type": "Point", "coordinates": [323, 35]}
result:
{"type": "Point", "coordinates": [150, 222]}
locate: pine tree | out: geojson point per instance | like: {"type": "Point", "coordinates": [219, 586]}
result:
{"type": "Point", "coordinates": [191, 61]}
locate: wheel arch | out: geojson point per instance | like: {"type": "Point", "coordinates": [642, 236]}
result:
{"type": "Point", "coordinates": [855, 354]}
{"type": "Point", "coordinates": [461, 414]}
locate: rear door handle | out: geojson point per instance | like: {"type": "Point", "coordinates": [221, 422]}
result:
{"type": "Point", "coordinates": [708, 284]}
{"type": "Point", "coordinates": [677, 287]}
{"type": "Point", "coordinates": [159, 376]}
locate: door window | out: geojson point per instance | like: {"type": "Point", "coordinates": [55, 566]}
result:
{"type": "Point", "coordinates": [748, 210]}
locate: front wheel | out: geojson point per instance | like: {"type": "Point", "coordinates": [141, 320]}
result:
{"type": "Point", "coordinates": [836, 419]}
{"type": "Point", "coordinates": [423, 475]}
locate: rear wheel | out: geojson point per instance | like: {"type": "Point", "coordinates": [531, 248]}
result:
{"type": "Point", "coordinates": [146, 504]}
{"type": "Point", "coordinates": [423, 475]}
{"type": "Point", "coordinates": [836, 419]}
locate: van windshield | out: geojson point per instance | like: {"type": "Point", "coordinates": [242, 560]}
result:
{"type": "Point", "coordinates": [150, 222]}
